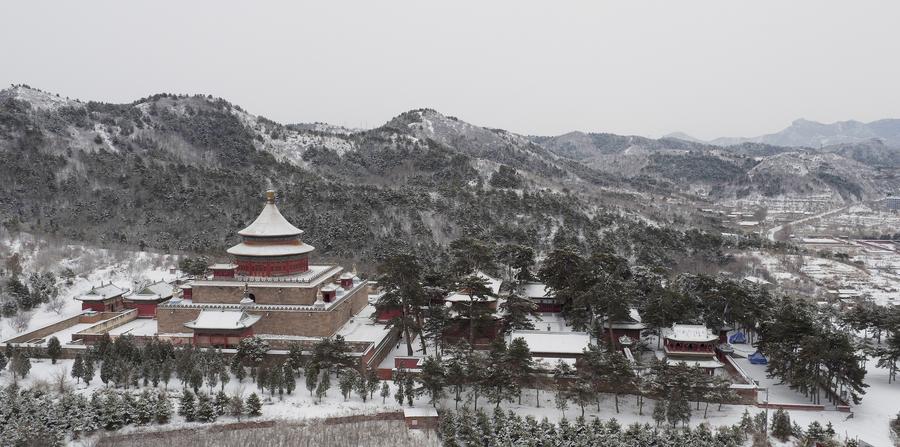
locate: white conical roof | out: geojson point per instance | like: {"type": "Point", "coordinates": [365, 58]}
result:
{"type": "Point", "coordinates": [270, 222]}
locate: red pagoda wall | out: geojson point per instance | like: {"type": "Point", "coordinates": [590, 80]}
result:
{"type": "Point", "coordinates": [260, 267]}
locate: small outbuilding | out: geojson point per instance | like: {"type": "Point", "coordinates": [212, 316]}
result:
{"type": "Point", "coordinates": [425, 418]}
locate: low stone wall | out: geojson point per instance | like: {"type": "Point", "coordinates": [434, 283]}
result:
{"type": "Point", "coordinates": [804, 407]}
{"type": "Point", "coordinates": [47, 330]}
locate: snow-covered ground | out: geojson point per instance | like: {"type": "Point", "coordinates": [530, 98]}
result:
{"type": "Point", "coordinates": [93, 266]}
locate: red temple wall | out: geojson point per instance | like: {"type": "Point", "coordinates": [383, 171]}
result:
{"type": "Point", "coordinates": [260, 267]}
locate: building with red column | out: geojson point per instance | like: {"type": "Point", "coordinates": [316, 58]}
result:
{"type": "Point", "coordinates": [268, 288]}
{"type": "Point", "coordinates": [105, 298]}
{"type": "Point", "coordinates": [693, 344]}
{"type": "Point", "coordinates": [222, 328]}
{"type": "Point", "coordinates": [149, 297]}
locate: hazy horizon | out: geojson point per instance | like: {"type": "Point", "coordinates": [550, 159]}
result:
{"type": "Point", "coordinates": [705, 68]}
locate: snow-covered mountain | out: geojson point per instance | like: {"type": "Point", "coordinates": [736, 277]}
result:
{"type": "Point", "coordinates": [805, 133]}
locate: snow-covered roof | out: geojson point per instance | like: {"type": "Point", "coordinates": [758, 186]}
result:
{"type": "Point", "coordinates": [347, 275]}
{"type": "Point", "coordinates": [103, 292]}
{"type": "Point", "coordinates": [330, 287]}
{"type": "Point", "coordinates": [222, 319]}
{"type": "Point", "coordinates": [156, 291]}
{"type": "Point", "coordinates": [690, 332]}
{"type": "Point", "coordinates": [418, 412]}
{"type": "Point", "coordinates": [223, 266]}
{"type": "Point", "coordinates": [545, 342]}
{"type": "Point", "coordinates": [244, 249]}
{"type": "Point", "coordinates": [536, 290]}
{"type": "Point", "coordinates": [270, 222]}
{"type": "Point", "coordinates": [704, 363]}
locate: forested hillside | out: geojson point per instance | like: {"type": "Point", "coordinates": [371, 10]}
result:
{"type": "Point", "coordinates": [185, 173]}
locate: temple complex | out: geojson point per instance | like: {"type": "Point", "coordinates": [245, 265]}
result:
{"type": "Point", "coordinates": [269, 290]}
{"type": "Point", "coordinates": [693, 344]}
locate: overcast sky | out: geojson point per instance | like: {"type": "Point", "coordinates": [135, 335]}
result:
{"type": "Point", "coordinates": [708, 68]}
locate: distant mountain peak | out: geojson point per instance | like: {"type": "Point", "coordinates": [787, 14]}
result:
{"type": "Point", "coordinates": [807, 133]}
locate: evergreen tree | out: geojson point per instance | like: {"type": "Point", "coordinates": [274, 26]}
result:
{"type": "Point", "coordinates": [385, 391]}
{"type": "Point", "coordinates": [361, 387]}
{"type": "Point", "coordinates": [77, 368]}
{"type": "Point", "coordinates": [220, 404]}
{"type": "Point", "coordinates": [54, 349]}
{"type": "Point", "coordinates": [322, 387]}
{"type": "Point", "coordinates": [781, 425]}
{"type": "Point", "coordinates": [399, 381]}
{"type": "Point", "coordinates": [311, 380]}
{"type": "Point", "coordinates": [288, 379]}
{"type": "Point", "coordinates": [165, 371]}
{"type": "Point", "coordinates": [518, 312]}
{"type": "Point", "coordinates": [254, 406]}
{"type": "Point", "coordinates": [186, 407]}
{"type": "Point", "coordinates": [236, 407]}
{"type": "Point", "coordinates": [21, 364]}
{"type": "Point", "coordinates": [146, 407]}
{"type": "Point", "coordinates": [659, 412]}
{"type": "Point", "coordinates": [400, 276]}
{"type": "Point", "coordinates": [519, 364]}
{"type": "Point", "coordinates": [262, 379]}
{"type": "Point", "coordinates": [433, 379]}
{"type": "Point", "coordinates": [88, 371]}
{"type": "Point", "coordinates": [163, 410]}
{"type": "Point", "coordinates": [346, 382]}
{"type": "Point", "coordinates": [205, 410]}
{"type": "Point", "coordinates": [372, 382]}
{"type": "Point", "coordinates": [275, 381]}
{"type": "Point", "coordinates": [678, 410]}
{"type": "Point", "coordinates": [409, 389]}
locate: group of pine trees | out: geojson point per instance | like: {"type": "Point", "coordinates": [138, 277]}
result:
{"type": "Point", "coordinates": [467, 428]}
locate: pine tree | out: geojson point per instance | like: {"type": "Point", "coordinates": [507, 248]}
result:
{"type": "Point", "coordinates": [262, 379]}
{"type": "Point", "coordinates": [562, 401]}
{"type": "Point", "coordinates": [361, 388]}
{"type": "Point", "coordinates": [236, 407]}
{"type": "Point", "coordinates": [346, 382]}
{"type": "Point", "coordinates": [145, 409]}
{"type": "Point", "coordinates": [678, 410]}
{"type": "Point", "coordinates": [77, 368]}
{"type": "Point", "coordinates": [781, 425]}
{"type": "Point", "coordinates": [399, 380]}
{"type": "Point", "coordinates": [254, 406]}
{"type": "Point", "coordinates": [276, 382]}
{"type": "Point", "coordinates": [205, 410]}
{"type": "Point", "coordinates": [448, 430]}
{"type": "Point", "coordinates": [385, 391]}
{"type": "Point", "coordinates": [21, 364]}
{"type": "Point", "coordinates": [88, 371]}
{"type": "Point", "coordinates": [3, 361]}
{"type": "Point", "coordinates": [520, 364]}
{"type": "Point", "coordinates": [433, 379]}
{"type": "Point", "coordinates": [54, 349]}
{"type": "Point", "coordinates": [186, 407]}
{"type": "Point", "coordinates": [220, 404]}
{"type": "Point", "coordinates": [322, 388]}
{"type": "Point", "coordinates": [165, 371]}
{"type": "Point", "coordinates": [163, 410]}
{"type": "Point", "coordinates": [311, 380]}
{"type": "Point", "coordinates": [659, 412]}
{"type": "Point", "coordinates": [372, 382]}
{"type": "Point", "coordinates": [113, 412]}
{"type": "Point", "coordinates": [409, 389]}
{"type": "Point", "coordinates": [289, 380]}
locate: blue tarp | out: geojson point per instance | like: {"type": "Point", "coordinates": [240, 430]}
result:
{"type": "Point", "coordinates": [737, 337]}
{"type": "Point", "coordinates": [757, 358]}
